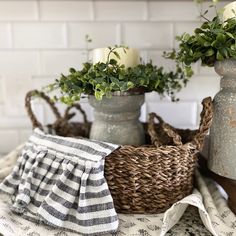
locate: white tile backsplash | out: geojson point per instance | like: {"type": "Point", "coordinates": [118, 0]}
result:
{"type": "Point", "coordinates": [5, 35]}
{"type": "Point", "coordinates": [200, 87]}
{"type": "Point", "coordinates": [24, 134]}
{"type": "Point", "coordinates": [19, 62]}
{"type": "Point", "coordinates": [148, 35]}
{"type": "Point", "coordinates": [157, 58]}
{"type": "Point", "coordinates": [1, 91]}
{"type": "Point", "coordinates": [41, 39]}
{"type": "Point", "coordinates": [15, 88]}
{"type": "Point", "coordinates": [173, 11]}
{"type": "Point", "coordinates": [120, 10]}
{"type": "Point", "coordinates": [13, 122]}
{"type": "Point", "coordinates": [18, 10]}
{"type": "Point", "coordinates": [180, 114]}
{"type": "Point", "coordinates": [65, 10]}
{"type": "Point", "coordinates": [39, 35]}
{"type": "Point", "coordinates": [41, 81]}
{"type": "Point", "coordinates": [107, 34]}
{"type": "Point", "coordinates": [9, 140]}
{"type": "Point", "coordinates": [64, 61]}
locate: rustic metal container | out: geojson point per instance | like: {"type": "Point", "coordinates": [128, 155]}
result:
{"type": "Point", "coordinates": [117, 119]}
{"type": "Point", "coordinates": [222, 158]}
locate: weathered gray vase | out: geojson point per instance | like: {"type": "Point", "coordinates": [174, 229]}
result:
{"type": "Point", "coordinates": [222, 159]}
{"type": "Point", "coordinates": [116, 119]}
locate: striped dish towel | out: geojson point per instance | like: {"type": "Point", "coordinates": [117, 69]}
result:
{"type": "Point", "coordinates": [60, 181]}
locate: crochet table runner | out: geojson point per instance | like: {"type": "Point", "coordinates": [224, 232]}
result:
{"type": "Point", "coordinates": [60, 181]}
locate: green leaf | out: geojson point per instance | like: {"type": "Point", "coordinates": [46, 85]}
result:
{"type": "Point", "coordinates": [72, 70]}
{"type": "Point", "coordinates": [114, 80]}
{"type": "Point", "coordinates": [224, 53]}
{"type": "Point", "coordinates": [230, 35]}
{"type": "Point", "coordinates": [233, 47]}
{"type": "Point", "coordinates": [220, 38]}
{"type": "Point", "coordinates": [113, 62]}
{"type": "Point", "coordinates": [205, 25]}
{"type": "Point", "coordinates": [188, 71]}
{"type": "Point", "coordinates": [185, 37]}
{"type": "Point", "coordinates": [130, 85]}
{"type": "Point", "coordinates": [116, 54]}
{"type": "Point", "coordinates": [198, 31]}
{"type": "Point", "coordinates": [219, 56]}
{"type": "Point", "coordinates": [209, 52]}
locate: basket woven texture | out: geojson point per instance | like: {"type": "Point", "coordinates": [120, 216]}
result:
{"type": "Point", "coordinates": [148, 178]}
{"type": "Point", "coordinates": [62, 125]}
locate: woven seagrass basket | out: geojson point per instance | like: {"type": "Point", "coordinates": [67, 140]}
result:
{"type": "Point", "coordinates": [149, 179]}
{"type": "Point", "coordinates": [62, 125]}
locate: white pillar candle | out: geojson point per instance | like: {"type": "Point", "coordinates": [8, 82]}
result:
{"type": "Point", "coordinates": [129, 57]}
{"type": "Point", "coordinates": [228, 13]}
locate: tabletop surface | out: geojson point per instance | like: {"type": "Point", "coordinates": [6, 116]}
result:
{"type": "Point", "coordinates": [206, 197]}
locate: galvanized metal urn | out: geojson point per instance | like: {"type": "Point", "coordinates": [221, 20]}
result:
{"type": "Point", "coordinates": [116, 119]}
{"type": "Point", "coordinates": [222, 158]}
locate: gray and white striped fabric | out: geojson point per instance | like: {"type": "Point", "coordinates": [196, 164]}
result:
{"type": "Point", "coordinates": [60, 181]}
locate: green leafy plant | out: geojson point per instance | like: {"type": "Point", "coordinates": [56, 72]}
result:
{"type": "Point", "coordinates": [102, 79]}
{"type": "Point", "coordinates": [214, 40]}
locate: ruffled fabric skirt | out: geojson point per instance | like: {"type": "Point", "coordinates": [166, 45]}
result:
{"type": "Point", "coordinates": [60, 181]}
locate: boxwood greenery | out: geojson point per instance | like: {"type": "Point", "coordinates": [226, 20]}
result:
{"type": "Point", "coordinates": [214, 40]}
{"type": "Point", "coordinates": [102, 79]}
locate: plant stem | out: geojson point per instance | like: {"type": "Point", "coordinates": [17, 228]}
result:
{"type": "Point", "coordinates": [205, 18]}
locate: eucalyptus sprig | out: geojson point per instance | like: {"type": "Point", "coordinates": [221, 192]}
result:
{"type": "Point", "coordinates": [214, 40]}
{"type": "Point", "coordinates": [102, 79]}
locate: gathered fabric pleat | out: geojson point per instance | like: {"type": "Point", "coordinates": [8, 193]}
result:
{"type": "Point", "coordinates": [60, 181]}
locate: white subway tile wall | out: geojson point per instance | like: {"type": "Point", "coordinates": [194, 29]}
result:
{"type": "Point", "coordinates": [18, 11]}
{"type": "Point", "coordinates": [41, 39]}
{"type": "Point", "coordinates": [103, 33]}
{"type": "Point", "coordinates": [1, 91]}
{"type": "Point", "coordinates": [5, 35]}
{"type": "Point", "coordinates": [66, 10]}
{"type": "Point", "coordinates": [148, 35]}
{"type": "Point", "coordinates": [54, 62]}
{"type": "Point", "coordinates": [120, 11]}
{"type": "Point", "coordinates": [39, 35]}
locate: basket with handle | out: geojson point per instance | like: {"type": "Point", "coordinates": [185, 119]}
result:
{"type": "Point", "coordinates": [62, 125]}
{"type": "Point", "coordinates": [149, 179]}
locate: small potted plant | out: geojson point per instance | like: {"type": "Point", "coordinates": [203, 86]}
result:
{"type": "Point", "coordinates": [214, 44]}
{"type": "Point", "coordinates": [115, 83]}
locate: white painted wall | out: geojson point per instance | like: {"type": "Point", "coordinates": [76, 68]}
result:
{"type": "Point", "coordinates": [41, 39]}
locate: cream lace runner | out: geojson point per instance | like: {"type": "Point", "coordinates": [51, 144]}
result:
{"type": "Point", "coordinates": [180, 219]}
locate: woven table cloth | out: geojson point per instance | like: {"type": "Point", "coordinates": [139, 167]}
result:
{"type": "Point", "coordinates": [203, 213]}
{"type": "Point", "coordinates": [60, 182]}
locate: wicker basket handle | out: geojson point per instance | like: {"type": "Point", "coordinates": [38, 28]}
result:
{"type": "Point", "coordinates": [166, 127]}
{"type": "Point", "coordinates": [68, 115]}
{"type": "Point", "coordinates": [34, 120]}
{"type": "Point", "coordinates": [205, 123]}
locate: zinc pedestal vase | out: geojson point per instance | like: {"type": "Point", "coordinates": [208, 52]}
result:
{"type": "Point", "coordinates": [116, 119]}
{"type": "Point", "coordinates": [222, 158]}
